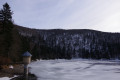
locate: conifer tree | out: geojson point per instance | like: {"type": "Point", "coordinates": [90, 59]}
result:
{"type": "Point", "coordinates": [6, 26]}
{"type": "Point", "coordinates": [6, 17]}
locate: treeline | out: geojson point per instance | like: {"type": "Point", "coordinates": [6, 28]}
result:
{"type": "Point", "coordinates": [5, 31]}
{"type": "Point", "coordinates": [67, 44]}
{"type": "Point", "coordinates": [11, 43]}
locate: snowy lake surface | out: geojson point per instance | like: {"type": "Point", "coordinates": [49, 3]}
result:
{"type": "Point", "coordinates": [76, 69]}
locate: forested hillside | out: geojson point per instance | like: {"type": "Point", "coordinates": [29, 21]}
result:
{"type": "Point", "coordinates": [58, 43]}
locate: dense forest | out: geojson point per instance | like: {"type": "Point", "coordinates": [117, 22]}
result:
{"type": "Point", "coordinates": [11, 44]}
{"type": "Point", "coordinates": [68, 44]}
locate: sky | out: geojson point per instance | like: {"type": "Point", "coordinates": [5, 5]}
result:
{"type": "Point", "coordinates": [102, 15]}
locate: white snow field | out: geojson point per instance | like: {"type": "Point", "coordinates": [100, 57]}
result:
{"type": "Point", "coordinates": [75, 69]}
{"type": "Point", "coordinates": [5, 78]}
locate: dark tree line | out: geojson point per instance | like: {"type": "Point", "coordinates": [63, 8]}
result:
{"type": "Point", "coordinates": [11, 45]}
{"type": "Point", "coordinates": [67, 44]}
{"type": "Point", "coordinates": [6, 26]}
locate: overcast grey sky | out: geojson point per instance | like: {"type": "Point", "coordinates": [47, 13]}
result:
{"type": "Point", "coordinates": [103, 15]}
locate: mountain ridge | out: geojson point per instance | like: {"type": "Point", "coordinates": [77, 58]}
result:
{"type": "Point", "coordinates": [56, 42]}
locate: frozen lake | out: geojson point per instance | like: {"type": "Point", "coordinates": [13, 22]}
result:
{"type": "Point", "coordinates": [76, 69]}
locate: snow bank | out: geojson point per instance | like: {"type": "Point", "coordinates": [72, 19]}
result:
{"type": "Point", "coordinates": [75, 70]}
{"type": "Point", "coordinates": [5, 78]}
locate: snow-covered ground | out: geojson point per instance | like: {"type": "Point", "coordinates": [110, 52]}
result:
{"type": "Point", "coordinates": [75, 69]}
{"type": "Point", "coordinates": [5, 78]}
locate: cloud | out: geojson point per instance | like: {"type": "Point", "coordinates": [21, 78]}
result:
{"type": "Point", "coordinates": [67, 14]}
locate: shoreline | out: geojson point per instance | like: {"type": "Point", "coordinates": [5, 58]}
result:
{"type": "Point", "coordinates": [16, 73]}
{"type": "Point", "coordinates": [21, 77]}
{"type": "Point", "coordinates": [10, 72]}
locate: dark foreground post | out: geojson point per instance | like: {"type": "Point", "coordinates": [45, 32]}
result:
{"type": "Point", "coordinates": [26, 72]}
{"type": "Point", "coordinates": [26, 61]}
